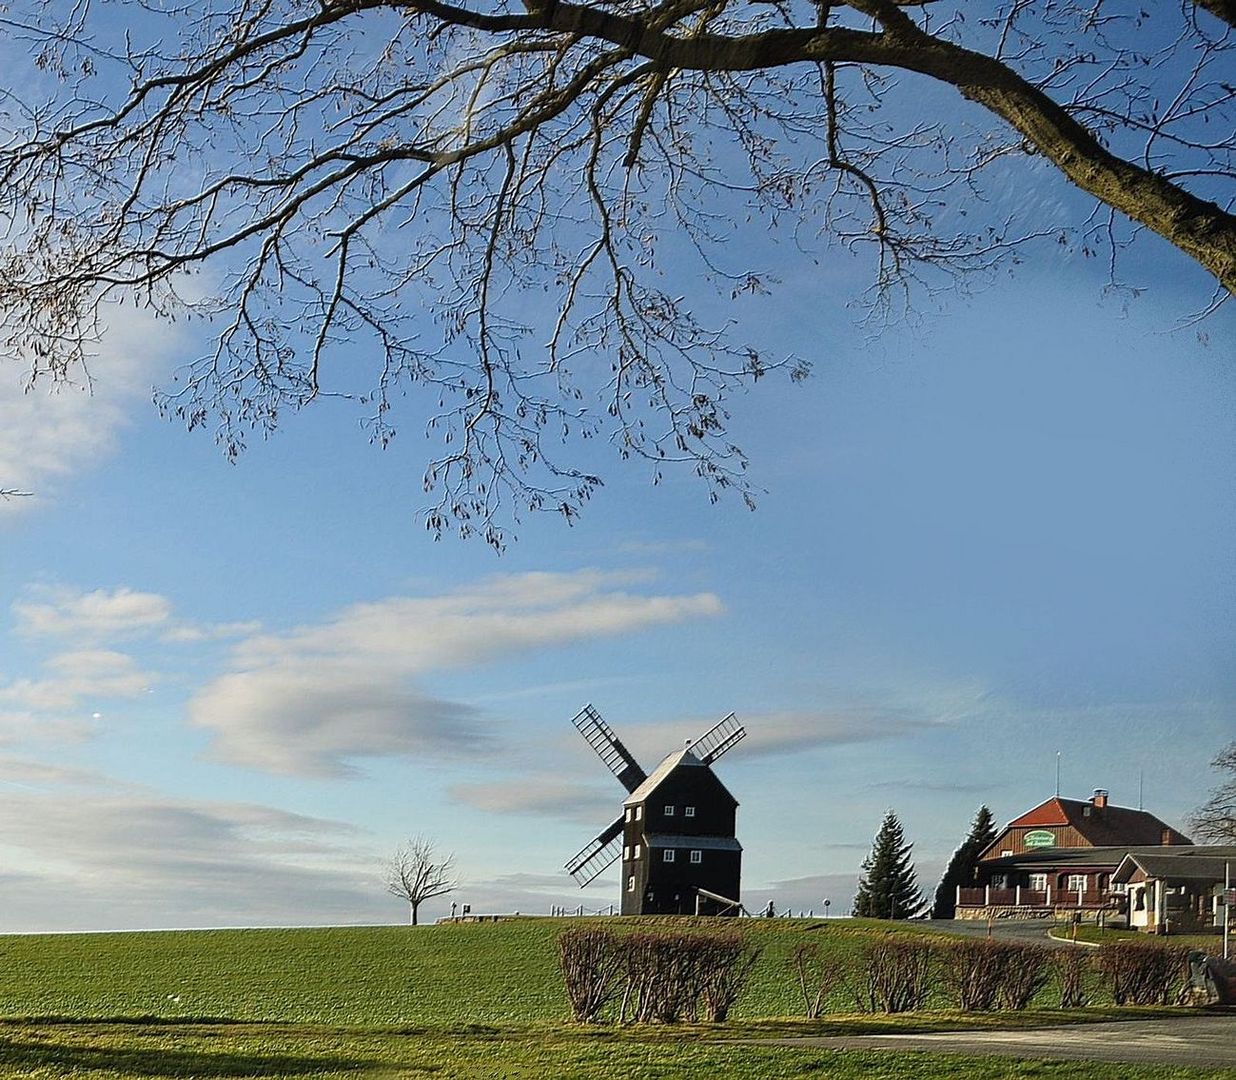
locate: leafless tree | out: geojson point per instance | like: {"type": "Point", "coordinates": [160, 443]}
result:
{"type": "Point", "coordinates": [328, 181]}
{"type": "Point", "coordinates": [1215, 819]}
{"type": "Point", "coordinates": [417, 873]}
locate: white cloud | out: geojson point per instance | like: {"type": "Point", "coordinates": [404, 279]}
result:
{"type": "Point", "coordinates": [309, 701]}
{"type": "Point", "coordinates": [59, 611]}
{"type": "Point", "coordinates": [77, 677]}
{"type": "Point", "coordinates": [106, 614]}
{"type": "Point", "coordinates": [49, 431]}
{"type": "Point", "coordinates": [543, 796]}
{"type": "Point", "coordinates": [141, 860]}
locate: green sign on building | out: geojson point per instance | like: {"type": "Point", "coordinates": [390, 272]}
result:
{"type": "Point", "coordinates": [1040, 838]}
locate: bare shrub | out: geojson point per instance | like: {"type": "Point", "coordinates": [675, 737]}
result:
{"type": "Point", "coordinates": [818, 974]}
{"type": "Point", "coordinates": [972, 970]}
{"type": "Point", "coordinates": [673, 976]}
{"type": "Point", "coordinates": [662, 978]}
{"type": "Point", "coordinates": [1143, 972]}
{"type": "Point", "coordinates": [725, 965]}
{"type": "Point", "coordinates": [896, 975]}
{"type": "Point", "coordinates": [1023, 973]}
{"type": "Point", "coordinates": [590, 961]}
{"type": "Point", "coordinates": [1071, 966]}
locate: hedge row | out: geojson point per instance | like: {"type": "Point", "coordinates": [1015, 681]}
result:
{"type": "Point", "coordinates": [669, 976]}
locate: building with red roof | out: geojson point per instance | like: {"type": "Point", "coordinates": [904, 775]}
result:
{"type": "Point", "coordinates": [1057, 860]}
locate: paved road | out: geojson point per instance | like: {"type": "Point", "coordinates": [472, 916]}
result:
{"type": "Point", "coordinates": [1207, 1041]}
{"type": "Point", "coordinates": [1033, 930]}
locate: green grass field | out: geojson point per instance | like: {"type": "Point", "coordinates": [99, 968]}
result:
{"type": "Point", "coordinates": [463, 1002]}
{"type": "Point", "coordinates": [382, 975]}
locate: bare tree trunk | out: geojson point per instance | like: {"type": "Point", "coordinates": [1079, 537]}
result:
{"type": "Point", "coordinates": [414, 905]}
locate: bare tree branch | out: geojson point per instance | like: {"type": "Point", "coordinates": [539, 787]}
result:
{"type": "Point", "coordinates": [416, 873]}
{"type": "Point", "coordinates": [1215, 819]}
{"type": "Point", "coordinates": [366, 199]}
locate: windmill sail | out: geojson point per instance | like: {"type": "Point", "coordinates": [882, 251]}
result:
{"type": "Point", "coordinates": [719, 738]}
{"type": "Point", "coordinates": [617, 758]}
{"type": "Point", "coordinates": [596, 855]}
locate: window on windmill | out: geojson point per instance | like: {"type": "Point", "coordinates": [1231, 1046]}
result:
{"type": "Point", "coordinates": [631, 883]}
{"type": "Point", "coordinates": [667, 855]}
{"type": "Point", "coordinates": [635, 854]}
{"type": "Point", "coordinates": [639, 812]}
{"type": "Point", "coordinates": [669, 811]}
{"type": "Point", "coordinates": [630, 814]}
{"type": "Point", "coordinates": [688, 811]}
{"type": "Point", "coordinates": [697, 856]}
{"type": "Point", "coordinates": [626, 854]}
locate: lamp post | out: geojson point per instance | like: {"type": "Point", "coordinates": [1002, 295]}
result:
{"type": "Point", "coordinates": [826, 903]}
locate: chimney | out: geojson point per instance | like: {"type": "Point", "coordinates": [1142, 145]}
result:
{"type": "Point", "coordinates": [1099, 799]}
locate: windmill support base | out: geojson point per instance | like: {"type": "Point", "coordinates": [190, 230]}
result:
{"type": "Point", "coordinates": [704, 894]}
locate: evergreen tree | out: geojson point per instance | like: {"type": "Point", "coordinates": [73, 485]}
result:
{"type": "Point", "coordinates": [960, 870]}
{"type": "Point", "coordinates": [887, 889]}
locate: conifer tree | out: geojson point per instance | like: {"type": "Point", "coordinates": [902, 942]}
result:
{"type": "Point", "coordinates": [960, 869]}
{"type": "Point", "coordinates": [888, 889]}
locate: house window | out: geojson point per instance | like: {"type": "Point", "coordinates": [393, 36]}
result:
{"type": "Point", "coordinates": [667, 855]}
{"type": "Point", "coordinates": [1038, 882]}
{"type": "Point", "coordinates": [697, 856]}
{"type": "Point", "coordinates": [1077, 882]}
{"type": "Point", "coordinates": [1005, 854]}
{"type": "Point", "coordinates": [669, 811]}
{"type": "Point", "coordinates": [635, 854]}
{"type": "Point", "coordinates": [639, 812]}
{"type": "Point", "coordinates": [688, 811]}
{"type": "Point", "coordinates": [631, 883]}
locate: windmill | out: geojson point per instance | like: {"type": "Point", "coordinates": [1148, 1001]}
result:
{"type": "Point", "coordinates": [675, 836]}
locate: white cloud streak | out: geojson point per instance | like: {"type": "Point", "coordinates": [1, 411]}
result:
{"type": "Point", "coordinates": [312, 700]}
{"type": "Point", "coordinates": [141, 860]}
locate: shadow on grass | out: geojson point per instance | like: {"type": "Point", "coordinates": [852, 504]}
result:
{"type": "Point", "coordinates": [72, 1058]}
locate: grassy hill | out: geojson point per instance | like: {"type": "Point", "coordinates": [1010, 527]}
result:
{"type": "Point", "coordinates": [466, 1002]}
{"type": "Point", "coordinates": [379, 975]}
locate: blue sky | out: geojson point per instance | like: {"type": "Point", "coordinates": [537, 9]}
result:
{"type": "Point", "coordinates": [229, 691]}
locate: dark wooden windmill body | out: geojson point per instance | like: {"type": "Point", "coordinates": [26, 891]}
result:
{"type": "Point", "coordinates": [676, 837]}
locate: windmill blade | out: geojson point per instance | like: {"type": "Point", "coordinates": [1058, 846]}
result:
{"type": "Point", "coordinates": [596, 855]}
{"type": "Point", "coordinates": [722, 736]}
{"type": "Point", "coordinates": [616, 757]}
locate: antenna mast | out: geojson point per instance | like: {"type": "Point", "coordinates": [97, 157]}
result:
{"type": "Point", "coordinates": [1057, 774]}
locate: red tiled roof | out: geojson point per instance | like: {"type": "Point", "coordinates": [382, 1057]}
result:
{"type": "Point", "coordinates": [1106, 826]}
{"type": "Point", "coordinates": [1048, 813]}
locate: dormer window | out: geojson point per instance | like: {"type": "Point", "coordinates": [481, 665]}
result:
{"type": "Point", "coordinates": [669, 811]}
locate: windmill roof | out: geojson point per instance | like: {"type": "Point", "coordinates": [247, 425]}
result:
{"type": "Point", "coordinates": [679, 758]}
{"type": "Point", "coordinates": [668, 764]}
{"type": "Point", "coordinates": [679, 840]}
